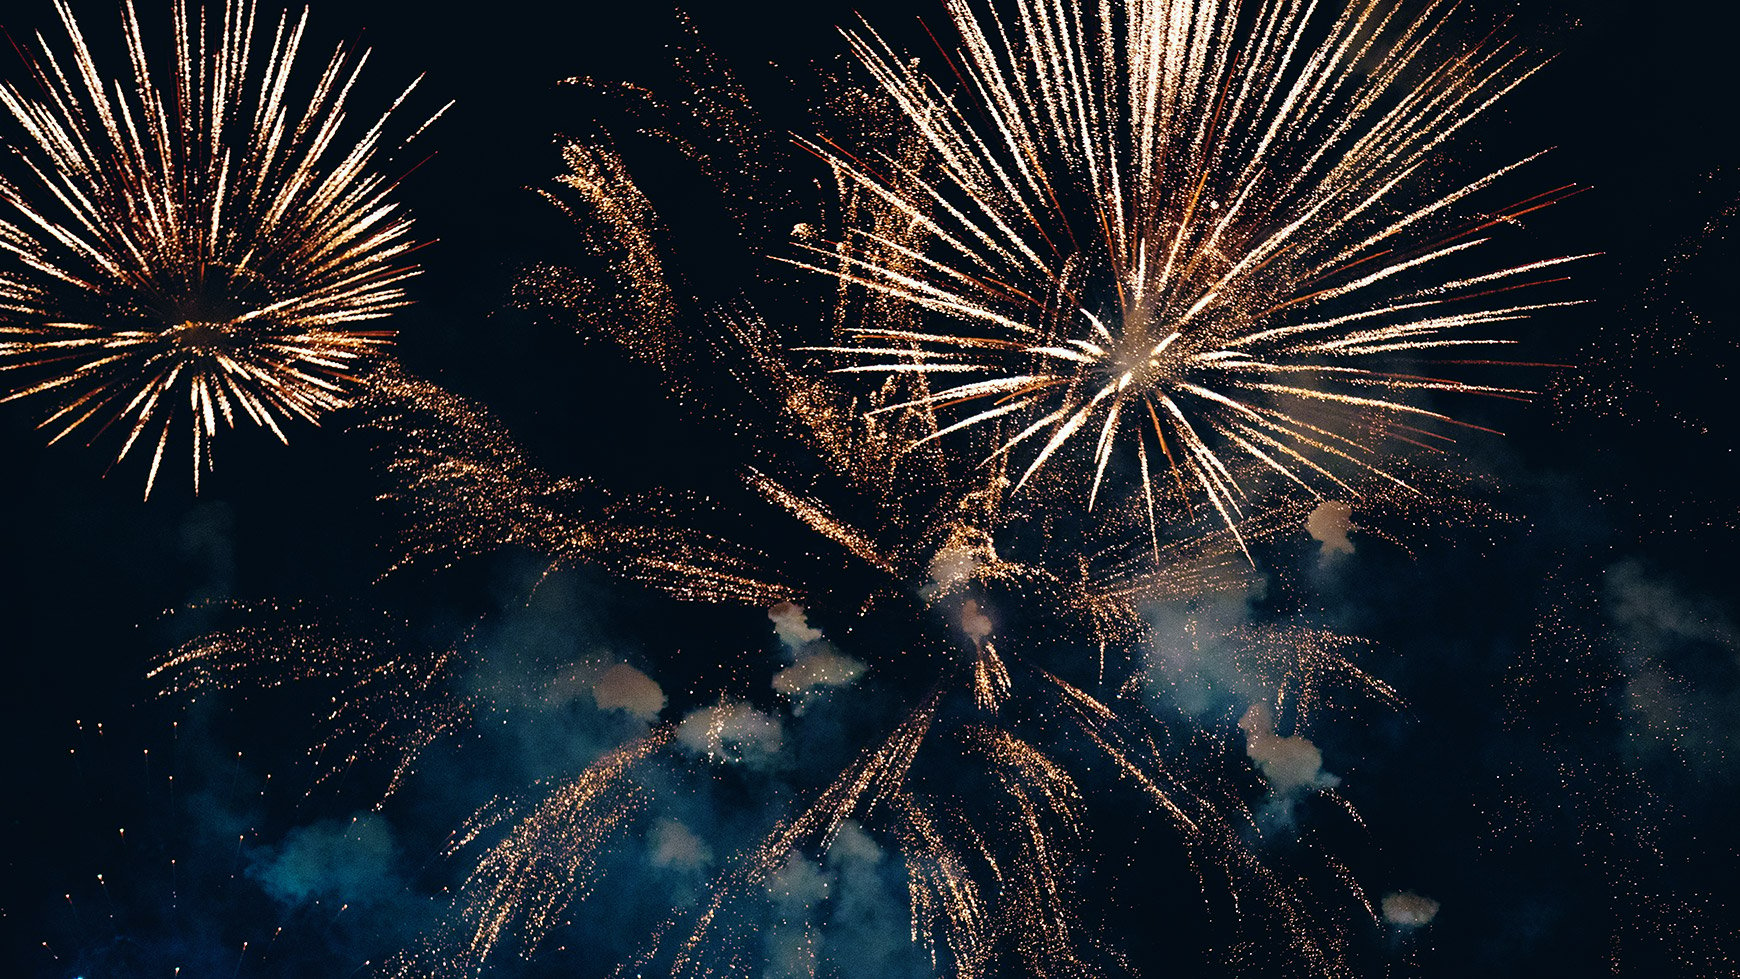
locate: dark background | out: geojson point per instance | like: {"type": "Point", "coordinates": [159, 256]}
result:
{"type": "Point", "coordinates": [1514, 789]}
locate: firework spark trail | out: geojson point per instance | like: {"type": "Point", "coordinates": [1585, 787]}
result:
{"type": "Point", "coordinates": [977, 900]}
{"type": "Point", "coordinates": [728, 142]}
{"type": "Point", "coordinates": [1046, 806]}
{"type": "Point", "coordinates": [595, 193]}
{"type": "Point", "coordinates": [945, 898]}
{"type": "Point", "coordinates": [208, 246]}
{"type": "Point", "coordinates": [1169, 227]}
{"type": "Point", "coordinates": [1210, 837]}
{"type": "Point", "coordinates": [1299, 663]}
{"type": "Point", "coordinates": [465, 488]}
{"type": "Point", "coordinates": [398, 698]}
{"type": "Point", "coordinates": [877, 778]}
{"type": "Point", "coordinates": [547, 861]}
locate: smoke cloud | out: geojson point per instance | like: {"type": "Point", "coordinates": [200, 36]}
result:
{"type": "Point", "coordinates": [1405, 909]}
{"type": "Point", "coordinates": [732, 732]}
{"type": "Point", "coordinates": [1329, 525]}
{"type": "Point", "coordinates": [343, 861]}
{"type": "Point", "coordinates": [675, 845]}
{"type": "Point", "coordinates": [622, 687]}
{"type": "Point", "coordinates": [816, 664]}
{"type": "Point", "coordinates": [793, 627]}
{"type": "Point", "coordinates": [1681, 655]}
{"type": "Point", "coordinates": [844, 915]}
{"type": "Point", "coordinates": [956, 562]}
{"type": "Point", "coordinates": [1288, 764]}
{"type": "Point", "coordinates": [975, 622]}
{"type": "Point", "coordinates": [794, 942]}
{"type": "Point", "coordinates": [823, 668]}
{"type": "Point", "coordinates": [1193, 664]}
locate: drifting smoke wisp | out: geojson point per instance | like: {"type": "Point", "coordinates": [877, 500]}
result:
{"type": "Point", "coordinates": [732, 732]}
{"type": "Point", "coordinates": [1329, 525]}
{"type": "Point", "coordinates": [1288, 763]}
{"type": "Point", "coordinates": [622, 687]}
{"type": "Point", "coordinates": [816, 665]}
{"type": "Point", "coordinates": [675, 845]}
{"type": "Point", "coordinates": [1405, 909]}
{"type": "Point", "coordinates": [340, 861]}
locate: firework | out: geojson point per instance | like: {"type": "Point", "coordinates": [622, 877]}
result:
{"type": "Point", "coordinates": [971, 605]}
{"type": "Point", "coordinates": [1188, 232]}
{"type": "Point", "coordinates": [194, 241]}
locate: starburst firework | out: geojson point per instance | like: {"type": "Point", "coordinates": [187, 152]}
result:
{"type": "Point", "coordinates": [1188, 231]}
{"type": "Point", "coordinates": [200, 246]}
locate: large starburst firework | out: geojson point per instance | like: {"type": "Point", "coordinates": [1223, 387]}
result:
{"type": "Point", "coordinates": [1196, 232]}
{"type": "Point", "coordinates": [193, 241]}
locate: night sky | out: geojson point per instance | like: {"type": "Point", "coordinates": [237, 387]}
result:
{"type": "Point", "coordinates": [1561, 780]}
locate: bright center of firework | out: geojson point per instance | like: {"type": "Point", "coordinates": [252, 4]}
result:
{"type": "Point", "coordinates": [218, 316]}
{"type": "Point", "coordinates": [1145, 354]}
{"type": "Point", "coordinates": [202, 337]}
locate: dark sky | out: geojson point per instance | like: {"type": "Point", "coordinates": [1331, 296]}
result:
{"type": "Point", "coordinates": [1560, 781]}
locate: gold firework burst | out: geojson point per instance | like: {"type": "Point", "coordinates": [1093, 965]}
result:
{"type": "Point", "coordinates": [203, 243]}
{"type": "Point", "coordinates": [1190, 232]}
